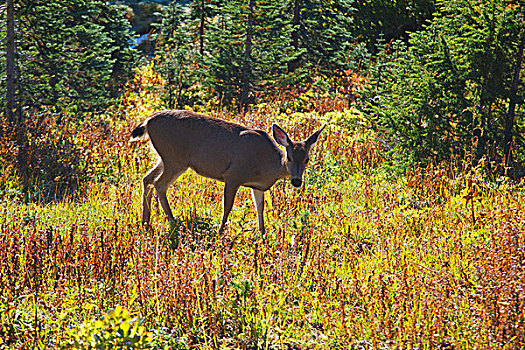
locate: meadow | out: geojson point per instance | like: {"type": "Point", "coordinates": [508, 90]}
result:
{"type": "Point", "coordinates": [361, 257]}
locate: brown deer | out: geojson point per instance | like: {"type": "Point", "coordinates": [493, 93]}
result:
{"type": "Point", "coordinates": [224, 151]}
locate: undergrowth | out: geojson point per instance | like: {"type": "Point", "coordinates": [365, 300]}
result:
{"type": "Point", "coordinates": [354, 259]}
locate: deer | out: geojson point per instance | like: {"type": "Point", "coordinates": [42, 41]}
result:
{"type": "Point", "coordinates": [220, 150]}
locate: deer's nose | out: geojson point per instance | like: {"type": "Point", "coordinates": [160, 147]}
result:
{"type": "Point", "coordinates": [297, 182]}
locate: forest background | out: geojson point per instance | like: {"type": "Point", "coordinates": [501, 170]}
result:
{"type": "Point", "coordinates": [424, 156]}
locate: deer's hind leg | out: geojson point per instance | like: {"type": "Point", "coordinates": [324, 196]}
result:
{"type": "Point", "coordinates": [168, 176]}
{"type": "Point", "coordinates": [147, 193]}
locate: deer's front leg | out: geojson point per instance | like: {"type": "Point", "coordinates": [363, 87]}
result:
{"type": "Point", "coordinates": [230, 190]}
{"type": "Point", "coordinates": [258, 200]}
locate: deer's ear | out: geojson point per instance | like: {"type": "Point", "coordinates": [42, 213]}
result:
{"type": "Point", "coordinates": [280, 136]}
{"type": "Point", "coordinates": [313, 138]}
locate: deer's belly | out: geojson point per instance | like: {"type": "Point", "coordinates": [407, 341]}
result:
{"type": "Point", "coordinates": [209, 174]}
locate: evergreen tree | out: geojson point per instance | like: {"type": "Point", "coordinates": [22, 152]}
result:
{"type": "Point", "coordinates": [72, 51]}
{"type": "Point", "coordinates": [10, 62]}
{"type": "Point", "coordinates": [275, 50]}
{"type": "Point", "coordinates": [386, 20]}
{"type": "Point", "coordinates": [451, 90]}
{"type": "Point", "coordinates": [223, 60]}
{"type": "Point", "coordinates": [322, 32]}
{"type": "Point", "coordinates": [201, 14]}
{"type": "Point", "coordinates": [245, 48]}
{"type": "Point", "coordinates": [249, 49]}
{"type": "Point", "coordinates": [176, 56]}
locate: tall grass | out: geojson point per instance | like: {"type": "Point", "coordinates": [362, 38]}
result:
{"type": "Point", "coordinates": [430, 259]}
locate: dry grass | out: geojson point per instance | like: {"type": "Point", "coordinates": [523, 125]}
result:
{"type": "Point", "coordinates": [431, 260]}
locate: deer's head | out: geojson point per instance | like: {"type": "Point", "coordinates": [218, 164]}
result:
{"type": "Point", "coordinates": [297, 153]}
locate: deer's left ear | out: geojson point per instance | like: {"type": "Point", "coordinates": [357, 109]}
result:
{"type": "Point", "coordinates": [280, 136]}
{"type": "Point", "coordinates": [313, 138]}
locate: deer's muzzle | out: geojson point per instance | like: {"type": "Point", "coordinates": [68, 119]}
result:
{"type": "Point", "coordinates": [297, 182]}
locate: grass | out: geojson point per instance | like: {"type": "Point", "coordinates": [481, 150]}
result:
{"type": "Point", "coordinates": [355, 259]}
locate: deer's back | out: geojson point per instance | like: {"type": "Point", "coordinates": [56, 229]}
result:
{"type": "Point", "coordinates": [212, 147]}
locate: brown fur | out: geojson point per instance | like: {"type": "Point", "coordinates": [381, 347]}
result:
{"type": "Point", "coordinates": [224, 151]}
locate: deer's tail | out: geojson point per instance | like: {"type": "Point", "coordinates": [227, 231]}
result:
{"type": "Point", "coordinates": [139, 133]}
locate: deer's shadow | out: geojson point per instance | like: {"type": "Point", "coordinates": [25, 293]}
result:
{"type": "Point", "coordinates": [193, 230]}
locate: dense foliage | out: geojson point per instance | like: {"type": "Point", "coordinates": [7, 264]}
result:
{"type": "Point", "coordinates": [457, 87]}
{"type": "Point", "coordinates": [383, 21]}
{"type": "Point", "coordinates": [409, 229]}
{"type": "Point", "coordinates": [453, 86]}
{"type": "Point", "coordinates": [73, 52]}
{"type": "Point", "coordinates": [243, 51]}
{"type": "Point", "coordinates": [352, 260]}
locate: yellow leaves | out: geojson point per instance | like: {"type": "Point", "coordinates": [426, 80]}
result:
{"type": "Point", "coordinates": [88, 306]}
{"type": "Point", "coordinates": [98, 324]}
{"type": "Point", "coordinates": [470, 191]}
{"type": "Point", "coordinates": [124, 326]}
{"type": "Point", "coordinates": [269, 203]}
{"type": "Point", "coordinates": [115, 329]}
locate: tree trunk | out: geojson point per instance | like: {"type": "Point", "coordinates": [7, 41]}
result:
{"type": "Point", "coordinates": [10, 63]}
{"type": "Point", "coordinates": [14, 114]}
{"type": "Point", "coordinates": [296, 21]}
{"type": "Point", "coordinates": [246, 66]}
{"type": "Point", "coordinates": [481, 131]}
{"type": "Point", "coordinates": [511, 114]}
{"type": "Point", "coordinates": [201, 28]}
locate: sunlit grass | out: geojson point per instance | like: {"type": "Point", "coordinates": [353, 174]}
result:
{"type": "Point", "coordinates": [355, 258]}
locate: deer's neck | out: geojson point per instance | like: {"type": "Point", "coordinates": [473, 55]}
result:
{"type": "Point", "coordinates": [283, 170]}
